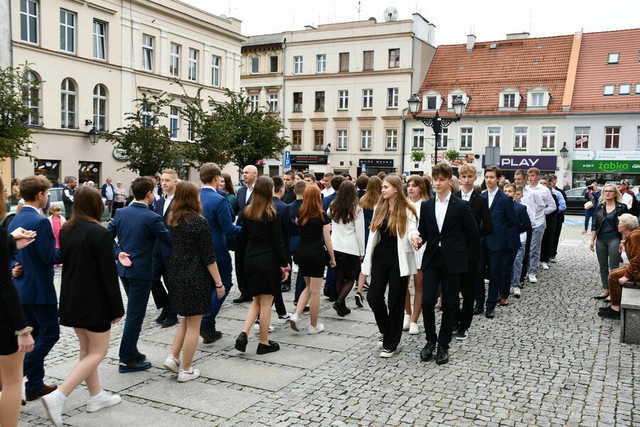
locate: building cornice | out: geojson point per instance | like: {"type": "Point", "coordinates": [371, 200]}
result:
{"type": "Point", "coordinates": [258, 76]}
{"type": "Point", "coordinates": [392, 71]}
{"type": "Point", "coordinates": [349, 39]}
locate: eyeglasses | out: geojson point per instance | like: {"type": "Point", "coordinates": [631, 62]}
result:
{"type": "Point", "coordinates": [609, 191]}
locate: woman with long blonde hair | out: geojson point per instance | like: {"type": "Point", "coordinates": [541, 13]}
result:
{"type": "Point", "coordinates": [390, 261]}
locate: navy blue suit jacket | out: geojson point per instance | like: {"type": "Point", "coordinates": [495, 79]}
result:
{"type": "Point", "coordinates": [138, 228]}
{"type": "Point", "coordinates": [285, 222]}
{"type": "Point", "coordinates": [215, 208]}
{"type": "Point", "coordinates": [161, 251]}
{"type": "Point", "coordinates": [35, 286]}
{"type": "Point", "coordinates": [503, 217]}
{"type": "Point", "coordinates": [326, 202]}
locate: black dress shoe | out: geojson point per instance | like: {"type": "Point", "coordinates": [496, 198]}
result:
{"type": "Point", "coordinates": [270, 348]}
{"type": "Point", "coordinates": [609, 313]}
{"type": "Point", "coordinates": [169, 321]}
{"type": "Point", "coordinates": [442, 356]}
{"type": "Point", "coordinates": [242, 299]}
{"type": "Point", "coordinates": [44, 390]}
{"type": "Point", "coordinates": [426, 353]}
{"type": "Point", "coordinates": [136, 366]}
{"type": "Point", "coordinates": [211, 338]}
{"type": "Point", "coordinates": [359, 300]}
{"type": "Point", "coordinates": [478, 310]}
{"type": "Point", "coordinates": [241, 342]}
{"type": "Point", "coordinates": [490, 313]}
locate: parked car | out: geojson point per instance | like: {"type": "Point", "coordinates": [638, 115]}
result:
{"type": "Point", "coordinates": [575, 201]}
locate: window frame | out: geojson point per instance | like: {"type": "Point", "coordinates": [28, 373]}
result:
{"type": "Point", "coordinates": [296, 136]}
{"type": "Point", "coordinates": [628, 87]}
{"type": "Point", "coordinates": [394, 55]}
{"type": "Point", "coordinates": [174, 131]}
{"type": "Point", "coordinates": [342, 66]}
{"type": "Point", "coordinates": [254, 102]}
{"type": "Point", "coordinates": [366, 139]}
{"type": "Point", "coordinates": [69, 104]}
{"type": "Point", "coordinates": [367, 99]}
{"type": "Point", "coordinates": [582, 134]}
{"type": "Point", "coordinates": [491, 137]}
{"type": "Point", "coordinates": [321, 63]}
{"type": "Point", "coordinates": [391, 139]}
{"type": "Point", "coordinates": [273, 102]}
{"type": "Point", "coordinates": [637, 88]}
{"type": "Point", "coordinates": [366, 53]}
{"type": "Point", "coordinates": [31, 97]}
{"type": "Point", "coordinates": [466, 138]}
{"type": "Point", "coordinates": [64, 29]}
{"type": "Point", "coordinates": [520, 139]}
{"type": "Point", "coordinates": [297, 106]}
{"type": "Point", "coordinates": [615, 137]}
{"type": "Point", "coordinates": [298, 64]}
{"type": "Point", "coordinates": [318, 146]}
{"type": "Point", "coordinates": [617, 58]}
{"type": "Point", "coordinates": [342, 140]}
{"type": "Point", "coordinates": [343, 99]}
{"type": "Point", "coordinates": [316, 99]}
{"type": "Point", "coordinates": [255, 65]}
{"type": "Point", "coordinates": [29, 20]}
{"type": "Point", "coordinates": [193, 64]}
{"type": "Point", "coordinates": [417, 138]}
{"type": "Point", "coordinates": [98, 111]}
{"type": "Point", "coordinates": [216, 71]}
{"type": "Point", "coordinates": [443, 144]}
{"type": "Point", "coordinates": [271, 62]}
{"type": "Point", "coordinates": [426, 104]}
{"type": "Point", "coordinates": [604, 90]}
{"type": "Point", "coordinates": [96, 38]}
{"type": "Point", "coordinates": [393, 98]}
{"type": "Point", "coordinates": [545, 137]}
{"type": "Point", "coordinates": [148, 52]}
{"type": "Point", "coordinates": [512, 97]}
{"type": "Point", "coordinates": [175, 60]}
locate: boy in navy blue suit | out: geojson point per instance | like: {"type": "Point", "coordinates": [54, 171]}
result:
{"type": "Point", "coordinates": [137, 229]}
{"type": "Point", "coordinates": [524, 224]}
{"type": "Point", "coordinates": [35, 284]}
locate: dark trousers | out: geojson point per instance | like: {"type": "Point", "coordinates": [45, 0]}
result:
{"type": "Point", "coordinates": [116, 206]}
{"type": "Point", "coordinates": [556, 240]}
{"type": "Point", "coordinates": [242, 284]}
{"type": "Point", "coordinates": [508, 273]}
{"type": "Point", "coordinates": [525, 261]}
{"type": "Point", "coordinates": [160, 294]}
{"type": "Point", "coordinates": [548, 238]}
{"type": "Point", "coordinates": [43, 318]}
{"type": "Point", "coordinates": [468, 285]}
{"type": "Point", "coordinates": [208, 323]}
{"type": "Point", "coordinates": [137, 298]}
{"type": "Point", "coordinates": [498, 262]}
{"type": "Point", "coordinates": [436, 277]}
{"type": "Point", "coordinates": [389, 317]}
{"type": "Point", "coordinates": [330, 284]}
{"type": "Point", "coordinates": [588, 214]}
{"type": "Point", "coordinates": [300, 285]}
{"type": "Point", "coordinates": [479, 289]}
{"type": "Point", "coordinates": [281, 309]}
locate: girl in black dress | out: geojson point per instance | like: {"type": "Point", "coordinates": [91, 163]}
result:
{"type": "Point", "coordinates": [90, 300]}
{"type": "Point", "coordinates": [313, 254]}
{"type": "Point", "coordinates": [191, 272]}
{"type": "Point", "coordinates": [266, 263]}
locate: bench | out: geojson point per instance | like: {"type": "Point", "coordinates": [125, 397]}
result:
{"type": "Point", "coordinates": [630, 315]}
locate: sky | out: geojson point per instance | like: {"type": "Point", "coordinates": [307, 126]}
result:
{"type": "Point", "coordinates": [487, 19]}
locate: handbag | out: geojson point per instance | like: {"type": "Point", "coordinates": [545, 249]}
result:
{"type": "Point", "coordinates": [588, 205]}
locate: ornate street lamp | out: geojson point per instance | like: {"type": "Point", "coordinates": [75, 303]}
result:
{"type": "Point", "coordinates": [93, 136]}
{"type": "Point", "coordinates": [564, 153]}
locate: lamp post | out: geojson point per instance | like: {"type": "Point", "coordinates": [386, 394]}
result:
{"type": "Point", "coordinates": [437, 123]}
{"type": "Point", "coordinates": [93, 133]}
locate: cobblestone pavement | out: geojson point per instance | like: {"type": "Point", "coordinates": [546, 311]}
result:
{"type": "Point", "coordinates": [546, 359]}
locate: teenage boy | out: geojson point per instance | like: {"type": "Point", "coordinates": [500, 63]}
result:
{"type": "Point", "coordinates": [294, 238]}
{"type": "Point", "coordinates": [289, 181]}
{"type": "Point", "coordinates": [450, 232]}
{"type": "Point", "coordinates": [283, 214]}
{"type": "Point", "coordinates": [524, 222]}
{"type": "Point", "coordinates": [549, 236]}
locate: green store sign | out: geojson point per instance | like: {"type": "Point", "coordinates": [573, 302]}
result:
{"type": "Point", "coordinates": [606, 166]}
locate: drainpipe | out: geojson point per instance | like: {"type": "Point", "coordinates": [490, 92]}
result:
{"type": "Point", "coordinates": [284, 93]}
{"type": "Point", "coordinates": [404, 128]}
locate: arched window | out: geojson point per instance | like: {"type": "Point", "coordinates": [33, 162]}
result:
{"type": "Point", "coordinates": [100, 108]}
{"type": "Point", "coordinates": [68, 97]}
{"type": "Point", "coordinates": [31, 97]}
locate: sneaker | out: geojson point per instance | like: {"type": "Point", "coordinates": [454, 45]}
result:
{"type": "Point", "coordinates": [172, 364]}
{"type": "Point", "coordinates": [319, 328]}
{"type": "Point", "coordinates": [54, 405]}
{"type": "Point", "coordinates": [407, 321]}
{"type": "Point", "coordinates": [256, 328]}
{"type": "Point", "coordinates": [461, 335]}
{"type": "Point", "coordinates": [190, 375]}
{"type": "Point", "coordinates": [102, 400]}
{"type": "Point", "coordinates": [510, 291]}
{"type": "Point", "coordinates": [413, 328]}
{"type": "Point", "coordinates": [293, 322]}
{"type": "Point", "coordinates": [284, 318]}
{"type": "Point", "coordinates": [386, 354]}
{"type": "Point", "coordinates": [545, 265]}
{"type": "Point", "coordinates": [533, 278]}
{"type": "Point", "coordinates": [516, 292]}
{"type": "Point", "coordinates": [553, 260]}
{"type": "Point", "coordinates": [380, 341]}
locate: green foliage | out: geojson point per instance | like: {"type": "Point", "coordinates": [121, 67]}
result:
{"type": "Point", "coordinates": [452, 155]}
{"type": "Point", "coordinates": [417, 156]}
{"type": "Point", "coordinates": [15, 134]}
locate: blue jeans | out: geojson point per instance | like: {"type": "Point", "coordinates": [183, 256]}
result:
{"type": "Point", "coordinates": [46, 331]}
{"type": "Point", "coordinates": [209, 320]}
{"type": "Point", "coordinates": [588, 214]}
{"type": "Point", "coordinates": [517, 267]}
{"type": "Point", "coordinates": [536, 245]}
{"type": "Point", "coordinates": [137, 298]}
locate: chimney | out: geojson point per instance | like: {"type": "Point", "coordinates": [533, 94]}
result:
{"type": "Point", "coordinates": [471, 41]}
{"type": "Point", "coordinates": [516, 36]}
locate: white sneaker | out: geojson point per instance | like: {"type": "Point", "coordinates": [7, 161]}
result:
{"type": "Point", "coordinates": [293, 322]}
{"type": "Point", "coordinates": [486, 281]}
{"type": "Point", "coordinates": [385, 354]}
{"type": "Point", "coordinates": [172, 364]}
{"type": "Point", "coordinates": [316, 330]}
{"type": "Point", "coordinates": [413, 328]}
{"type": "Point", "coordinates": [54, 405]}
{"type": "Point", "coordinates": [102, 400]}
{"type": "Point", "coordinates": [533, 278]}
{"type": "Point", "coordinates": [256, 328]}
{"type": "Point", "coordinates": [516, 292]}
{"type": "Point", "coordinates": [405, 324]}
{"type": "Point", "coordinates": [545, 266]}
{"type": "Point", "coordinates": [185, 376]}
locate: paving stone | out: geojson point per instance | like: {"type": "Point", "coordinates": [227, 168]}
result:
{"type": "Point", "coordinates": [156, 353]}
{"type": "Point", "coordinates": [77, 399]}
{"type": "Point", "coordinates": [249, 373]}
{"type": "Point", "coordinates": [321, 341]}
{"type": "Point", "coordinates": [300, 357]}
{"type": "Point", "coordinates": [357, 314]}
{"type": "Point", "coordinates": [110, 378]}
{"type": "Point", "coordinates": [165, 336]}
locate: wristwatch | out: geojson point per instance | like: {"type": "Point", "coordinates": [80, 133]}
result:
{"type": "Point", "coordinates": [219, 286]}
{"type": "Point", "coordinates": [25, 331]}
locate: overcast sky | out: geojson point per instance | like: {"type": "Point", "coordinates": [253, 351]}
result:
{"type": "Point", "coordinates": [488, 19]}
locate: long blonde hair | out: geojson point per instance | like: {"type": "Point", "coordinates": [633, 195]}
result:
{"type": "Point", "coordinates": [394, 211]}
{"type": "Point", "coordinates": [618, 198]}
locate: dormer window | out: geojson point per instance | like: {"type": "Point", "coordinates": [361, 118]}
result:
{"type": "Point", "coordinates": [509, 99]}
{"type": "Point", "coordinates": [431, 101]}
{"type": "Point", "coordinates": [456, 95]}
{"type": "Point", "coordinates": [538, 98]}
{"type": "Point", "coordinates": [614, 58]}
{"type": "Point", "coordinates": [624, 89]}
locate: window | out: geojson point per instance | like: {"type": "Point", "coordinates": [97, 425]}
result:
{"type": "Point", "coordinates": [319, 104]}
{"type": "Point", "coordinates": [418, 139]}
{"type": "Point", "coordinates": [254, 101]}
{"type": "Point", "coordinates": [99, 39]}
{"type": "Point", "coordinates": [466, 138]}
{"type": "Point", "coordinates": [549, 138]}
{"type": "Point", "coordinates": [297, 65]}
{"type": "Point", "coordinates": [367, 99]}
{"type": "Point", "coordinates": [174, 122]}
{"type": "Point", "coordinates": [255, 65]}
{"type": "Point", "coordinates": [147, 115]}
{"type": "Point", "coordinates": [637, 88]}
{"type": "Point", "coordinates": [394, 58]}
{"type": "Point", "coordinates": [321, 63]}
{"type": "Point", "coordinates": [495, 134]}
{"type": "Point", "coordinates": [342, 140]}
{"type": "Point", "coordinates": [537, 99]}
{"type": "Point", "coordinates": [392, 139]}
{"type": "Point", "coordinates": [193, 64]}
{"type": "Point", "coordinates": [273, 64]}
{"type": "Point", "coordinates": [343, 99]}
{"type": "Point", "coordinates": [365, 139]}
{"type": "Point", "coordinates": [624, 89]}
{"type": "Point", "coordinates": [367, 60]}
{"type": "Point", "coordinates": [344, 62]}
{"type": "Point", "coordinates": [608, 90]}
{"type": "Point", "coordinates": [67, 31]}
{"type": "Point", "coordinates": [68, 104]}
{"type": "Point", "coordinates": [582, 137]}
{"type": "Point", "coordinates": [147, 52]}
{"type": "Point", "coordinates": [297, 102]}
{"type": "Point", "coordinates": [318, 139]}
{"type": "Point", "coordinates": [392, 97]}
{"type": "Point", "coordinates": [216, 63]}
{"type": "Point", "coordinates": [273, 102]}
{"type": "Point", "coordinates": [29, 17]}
{"type": "Point", "coordinates": [432, 102]}
{"type": "Point", "coordinates": [612, 137]}
{"type": "Point", "coordinates": [174, 60]}
{"type": "Point", "coordinates": [614, 58]}
{"type": "Point", "coordinates": [444, 139]}
{"type": "Point", "coordinates": [509, 100]}
{"type": "Point", "coordinates": [296, 139]}
{"type": "Point", "coordinates": [520, 138]}
{"type": "Point", "coordinates": [31, 97]}
{"type": "Point", "coordinates": [100, 108]}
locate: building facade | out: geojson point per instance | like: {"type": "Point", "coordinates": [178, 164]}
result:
{"type": "Point", "coordinates": [89, 61]}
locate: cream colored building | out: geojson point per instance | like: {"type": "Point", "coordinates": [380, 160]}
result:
{"type": "Point", "coordinates": [93, 58]}
{"type": "Point", "coordinates": [341, 89]}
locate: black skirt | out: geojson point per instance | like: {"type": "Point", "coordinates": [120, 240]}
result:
{"type": "Point", "coordinates": [8, 340]}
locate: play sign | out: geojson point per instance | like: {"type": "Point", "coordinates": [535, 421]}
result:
{"type": "Point", "coordinates": [547, 163]}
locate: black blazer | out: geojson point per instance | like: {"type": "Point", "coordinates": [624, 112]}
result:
{"type": "Point", "coordinates": [11, 315]}
{"type": "Point", "coordinates": [90, 291]}
{"type": "Point", "coordinates": [458, 240]}
{"type": "Point", "coordinates": [480, 210]}
{"type": "Point", "coordinates": [240, 203]}
{"type": "Point", "coordinates": [599, 214]}
{"type": "Point", "coordinates": [161, 251]}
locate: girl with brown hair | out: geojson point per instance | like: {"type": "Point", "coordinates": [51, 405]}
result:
{"type": "Point", "coordinates": [192, 272]}
{"type": "Point", "coordinates": [390, 260]}
{"type": "Point", "coordinates": [313, 254]}
{"type": "Point", "coordinates": [266, 263]}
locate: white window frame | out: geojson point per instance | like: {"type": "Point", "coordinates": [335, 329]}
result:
{"type": "Point", "coordinates": [175, 51]}
{"type": "Point", "coordinates": [148, 57]}
{"type": "Point", "coordinates": [466, 138]}
{"type": "Point", "coordinates": [537, 96]}
{"type": "Point", "coordinates": [366, 139]}
{"type": "Point", "coordinates": [321, 63]}
{"type": "Point", "coordinates": [516, 99]}
{"type": "Point", "coordinates": [613, 58]}
{"type": "Point", "coordinates": [520, 138]}
{"type": "Point", "coordinates": [31, 97]}
{"type": "Point", "coordinates": [255, 65]}
{"type": "Point", "coordinates": [612, 148]}
{"type": "Point", "coordinates": [174, 122]}
{"type": "Point", "coordinates": [69, 104]}
{"type": "Point", "coordinates": [417, 139]}
{"type": "Point", "coordinates": [547, 138]}
{"type": "Point", "coordinates": [343, 140]}
{"type": "Point", "coordinates": [194, 59]}
{"type": "Point", "coordinates": [29, 20]}
{"type": "Point", "coordinates": [367, 99]}
{"type": "Point", "coordinates": [579, 131]}
{"type": "Point", "coordinates": [254, 102]}
{"type": "Point", "coordinates": [455, 93]}
{"type": "Point", "coordinates": [494, 139]}
{"type": "Point", "coordinates": [100, 107]}
{"type": "Point", "coordinates": [273, 102]}
{"type": "Point", "coordinates": [608, 90]}
{"type": "Point", "coordinates": [541, 93]}
{"type": "Point", "coordinates": [147, 115]}
{"type": "Point", "coordinates": [443, 144]}
{"type": "Point", "coordinates": [637, 88]}
{"type": "Point", "coordinates": [391, 139]}
{"type": "Point", "coordinates": [396, 63]}
{"type": "Point", "coordinates": [393, 97]}
{"type": "Point", "coordinates": [425, 101]}
{"type": "Point", "coordinates": [345, 55]}
{"type": "Point", "coordinates": [216, 70]}
{"type": "Point", "coordinates": [298, 64]}
{"type": "Point", "coordinates": [624, 89]}
{"type": "Point", "coordinates": [68, 31]}
{"type": "Point", "coordinates": [364, 55]}
{"type": "Point", "coordinates": [100, 39]}
{"type": "Point", "coordinates": [343, 99]}
{"type": "Point", "coordinates": [301, 103]}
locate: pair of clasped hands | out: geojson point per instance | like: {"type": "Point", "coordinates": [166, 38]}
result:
{"type": "Point", "coordinates": [23, 238]}
{"type": "Point", "coordinates": [416, 241]}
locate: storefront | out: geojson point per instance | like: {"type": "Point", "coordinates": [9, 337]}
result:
{"type": "Point", "coordinates": [375, 166]}
{"type": "Point", "coordinates": [605, 171]}
{"type": "Point", "coordinates": [89, 171]}
{"type": "Point", "coordinates": [510, 164]}
{"type": "Point", "coordinates": [48, 168]}
{"type": "Point", "coordinates": [312, 163]}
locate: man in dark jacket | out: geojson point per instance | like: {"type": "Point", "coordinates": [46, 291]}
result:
{"type": "Point", "coordinates": [289, 179]}
{"type": "Point", "coordinates": [70, 184]}
{"type": "Point", "coordinates": [108, 194]}
{"type": "Point", "coordinates": [283, 214]}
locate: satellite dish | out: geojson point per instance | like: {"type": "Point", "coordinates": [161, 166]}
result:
{"type": "Point", "coordinates": [391, 14]}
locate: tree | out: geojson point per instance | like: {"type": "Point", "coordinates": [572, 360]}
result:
{"type": "Point", "coordinates": [452, 155]}
{"type": "Point", "coordinates": [145, 143]}
{"type": "Point", "coordinates": [16, 86]}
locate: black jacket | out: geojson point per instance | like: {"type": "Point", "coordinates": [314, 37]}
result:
{"type": "Point", "coordinates": [67, 200]}
{"type": "Point", "coordinates": [599, 214]}
{"type": "Point", "coordinates": [480, 210]}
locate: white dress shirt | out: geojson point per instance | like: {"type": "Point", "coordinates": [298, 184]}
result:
{"type": "Point", "coordinates": [533, 198]}
{"type": "Point", "coordinates": [491, 195]}
{"type": "Point", "coordinates": [441, 210]}
{"type": "Point", "coordinates": [249, 192]}
{"type": "Point", "coordinates": [327, 191]}
{"type": "Point", "coordinates": [627, 199]}
{"type": "Point", "coordinates": [167, 202]}
{"type": "Point", "coordinates": [466, 196]}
